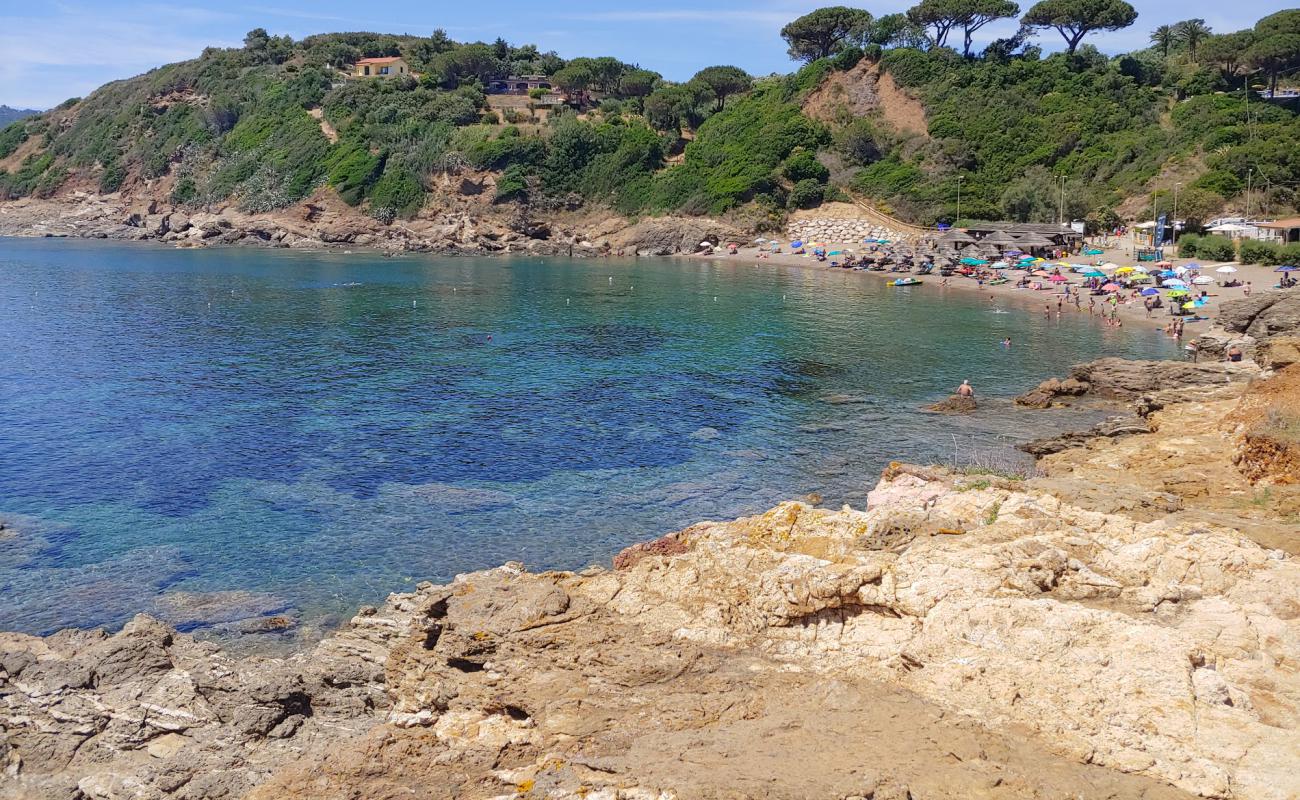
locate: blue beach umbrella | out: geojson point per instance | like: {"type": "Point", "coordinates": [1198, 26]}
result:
{"type": "Point", "coordinates": [797, 243]}
{"type": "Point", "coordinates": [1149, 291]}
{"type": "Point", "coordinates": [1287, 268]}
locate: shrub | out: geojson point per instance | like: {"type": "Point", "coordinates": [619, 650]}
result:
{"type": "Point", "coordinates": [110, 180]}
{"type": "Point", "coordinates": [1216, 248]}
{"type": "Point", "coordinates": [847, 58]}
{"type": "Point", "coordinates": [11, 137]}
{"type": "Point", "coordinates": [537, 94]}
{"type": "Point", "coordinates": [1255, 252]}
{"type": "Point", "coordinates": [807, 193]}
{"type": "Point", "coordinates": [512, 185]}
{"type": "Point", "coordinates": [397, 194]}
{"type": "Point", "coordinates": [803, 165]}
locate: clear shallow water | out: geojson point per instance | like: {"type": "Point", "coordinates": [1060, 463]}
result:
{"type": "Point", "coordinates": [329, 428]}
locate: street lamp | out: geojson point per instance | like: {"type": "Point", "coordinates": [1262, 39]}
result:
{"type": "Point", "coordinates": [1249, 173]}
{"type": "Point", "coordinates": [1173, 236]}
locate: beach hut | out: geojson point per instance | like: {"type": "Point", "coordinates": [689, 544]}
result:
{"type": "Point", "coordinates": [1000, 239]}
{"type": "Point", "coordinates": [956, 238]}
{"type": "Point", "coordinates": [1034, 240]}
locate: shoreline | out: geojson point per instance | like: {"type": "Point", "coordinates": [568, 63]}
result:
{"type": "Point", "coordinates": [1131, 313]}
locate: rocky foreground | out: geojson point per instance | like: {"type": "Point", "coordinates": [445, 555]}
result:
{"type": "Point", "coordinates": [1126, 624]}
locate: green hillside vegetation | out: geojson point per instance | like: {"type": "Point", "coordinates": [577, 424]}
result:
{"type": "Point", "coordinates": [234, 126]}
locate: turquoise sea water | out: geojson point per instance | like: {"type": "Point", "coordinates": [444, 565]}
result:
{"type": "Point", "coordinates": [327, 428]}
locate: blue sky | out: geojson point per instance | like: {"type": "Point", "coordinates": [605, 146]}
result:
{"type": "Point", "coordinates": [56, 50]}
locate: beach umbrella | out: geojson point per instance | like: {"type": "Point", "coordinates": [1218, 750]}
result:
{"type": "Point", "coordinates": [1109, 266]}
{"type": "Point", "coordinates": [1124, 270]}
{"type": "Point", "coordinates": [1164, 263]}
{"type": "Point", "coordinates": [1192, 265]}
{"type": "Point", "coordinates": [797, 243]}
{"type": "Point", "coordinates": [760, 240]}
{"type": "Point", "coordinates": [1059, 279]}
{"type": "Point", "coordinates": [1180, 270]}
{"type": "Point", "coordinates": [1094, 274]}
{"type": "Point", "coordinates": [1168, 273]}
{"type": "Point", "coordinates": [1040, 273]}
{"type": "Point", "coordinates": [1176, 283]}
{"type": "Point", "coordinates": [1093, 252]}
{"type": "Point", "coordinates": [1226, 270]}
{"type": "Point", "coordinates": [1287, 268]}
{"type": "Point", "coordinates": [1179, 293]}
{"type": "Point", "coordinates": [954, 236]}
{"type": "Point", "coordinates": [1149, 292]}
{"type": "Point", "coordinates": [1110, 287]}
{"type": "Point", "coordinates": [1202, 280]}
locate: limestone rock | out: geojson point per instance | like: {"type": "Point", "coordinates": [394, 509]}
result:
{"type": "Point", "coordinates": [955, 404]}
{"type": "Point", "coordinates": [1279, 352]}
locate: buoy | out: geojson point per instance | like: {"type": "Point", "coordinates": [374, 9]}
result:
{"type": "Point", "coordinates": [412, 304]}
{"type": "Point", "coordinates": [715, 298]}
{"type": "Point", "coordinates": [566, 301]}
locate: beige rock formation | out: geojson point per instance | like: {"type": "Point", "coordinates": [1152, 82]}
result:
{"type": "Point", "coordinates": [1123, 626]}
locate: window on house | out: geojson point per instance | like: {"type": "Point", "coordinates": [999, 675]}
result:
{"type": "Point", "coordinates": [367, 71]}
{"type": "Point", "coordinates": [383, 70]}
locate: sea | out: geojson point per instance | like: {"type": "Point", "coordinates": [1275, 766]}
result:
{"type": "Point", "coordinates": [303, 433]}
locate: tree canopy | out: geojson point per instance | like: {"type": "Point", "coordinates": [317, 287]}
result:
{"type": "Point", "coordinates": [826, 31]}
{"type": "Point", "coordinates": [724, 81]}
{"type": "Point", "coordinates": [1075, 19]}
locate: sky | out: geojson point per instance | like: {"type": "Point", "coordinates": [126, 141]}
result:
{"type": "Point", "coordinates": [56, 50]}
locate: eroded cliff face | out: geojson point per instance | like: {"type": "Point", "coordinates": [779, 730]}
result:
{"type": "Point", "coordinates": [965, 636]}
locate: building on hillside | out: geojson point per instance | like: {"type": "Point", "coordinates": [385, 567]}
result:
{"type": "Point", "coordinates": [388, 67]}
{"type": "Point", "coordinates": [519, 84]}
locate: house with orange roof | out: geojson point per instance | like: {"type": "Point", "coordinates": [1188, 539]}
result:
{"type": "Point", "coordinates": [387, 67]}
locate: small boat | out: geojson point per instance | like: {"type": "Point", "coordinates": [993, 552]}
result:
{"type": "Point", "coordinates": [905, 282]}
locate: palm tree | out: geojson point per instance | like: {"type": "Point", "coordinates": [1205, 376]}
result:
{"type": "Point", "coordinates": [1191, 33]}
{"type": "Point", "coordinates": [1163, 37]}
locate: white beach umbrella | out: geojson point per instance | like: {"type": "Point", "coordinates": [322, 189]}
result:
{"type": "Point", "coordinates": [1107, 267]}
{"type": "Point", "coordinates": [1227, 269]}
{"type": "Point", "coordinates": [1202, 280]}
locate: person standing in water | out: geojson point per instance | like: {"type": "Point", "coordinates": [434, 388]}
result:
{"type": "Point", "coordinates": [965, 390]}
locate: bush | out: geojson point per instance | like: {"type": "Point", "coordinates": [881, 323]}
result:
{"type": "Point", "coordinates": [807, 193]}
{"type": "Point", "coordinates": [802, 165]}
{"type": "Point", "coordinates": [1254, 252]}
{"type": "Point", "coordinates": [1188, 244]}
{"type": "Point", "coordinates": [1216, 248]}
{"type": "Point", "coordinates": [512, 185]}
{"type": "Point", "coordinates": [398, 194]}
{"type": "Point", "coordinates": [536, 94]}
{"type": "Point", "coordinates": [110, 180]}
{"type": "Point", "coordinates": [847, 58]}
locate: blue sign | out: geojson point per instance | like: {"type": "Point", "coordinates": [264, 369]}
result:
{"type": "Point", "coordinates": [1161, 222]}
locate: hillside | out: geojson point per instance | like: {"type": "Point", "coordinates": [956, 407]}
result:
{"type": "Point", "coordinates": [890, 116]}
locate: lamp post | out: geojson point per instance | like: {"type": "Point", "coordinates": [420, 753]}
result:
{"type": "Point", "coordinates": [957, 222]}
{"type": "Point", "coordinates": [1249, 172]}
{"type": "Point", "coordinates": [1173, 236]}
{"type": "Point", "coordinates": [1060, 201]}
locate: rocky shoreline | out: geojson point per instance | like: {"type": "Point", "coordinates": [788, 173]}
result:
{"type": "Point", "coordinates": [1126, 624]}
{"type": "Point", "coordinates": [325, 222]}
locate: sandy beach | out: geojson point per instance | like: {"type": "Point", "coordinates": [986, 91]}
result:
{"type": "Point", "coordinates": [1132, 312]}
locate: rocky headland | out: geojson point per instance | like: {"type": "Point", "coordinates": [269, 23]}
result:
{"type": "Point", "coordinates": [1124, 623]}
{"type": "Point", "coordinates": [463, 225]}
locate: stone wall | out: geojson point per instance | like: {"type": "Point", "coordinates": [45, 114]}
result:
{"type": "Point", "coordinates": [831, 229]}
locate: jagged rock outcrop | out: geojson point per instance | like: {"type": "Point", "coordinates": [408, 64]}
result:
{"type": "Point", "coordinates": [1111, 428]}
{"type": "Point", "coordinates": [666, 236]}
{"type": "Point", "coordinates": [1118, 378]}
{"type": "Point", "coordinates": [1146, 659]}
{"type": "Point", "coordinates": [1251, 321]}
